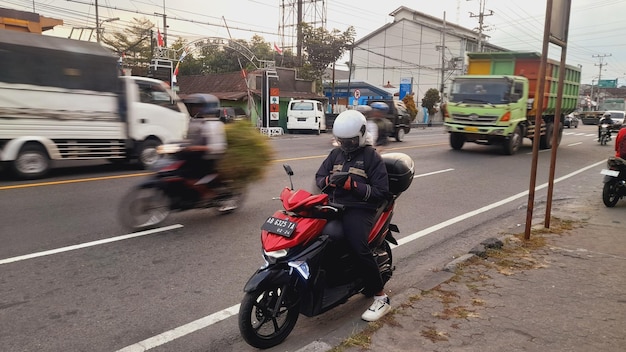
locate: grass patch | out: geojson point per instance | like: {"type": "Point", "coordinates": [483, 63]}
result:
{"type": "Point", "coordinates": [363, 339]}
{"type": "Point", "coordinates": [433, 335]}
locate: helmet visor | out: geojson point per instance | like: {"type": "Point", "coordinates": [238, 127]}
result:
{"type": "Point", "coordinates": [349, 144]}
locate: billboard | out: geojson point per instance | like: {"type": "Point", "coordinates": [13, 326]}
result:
{"type": "Point", "coordinates": [406, 86]}
{"type": "Point", "coordinates": [607, 83]}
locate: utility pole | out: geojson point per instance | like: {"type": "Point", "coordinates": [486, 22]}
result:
{"type": "Point", "coordinates": [97, 24]}
{"type": "Point", "coordinates": [481, 25]}
{"type": "Point", "coordinates": [299, 34]}
{"type": "Point", "coordinates": [601, 58]}
{"type": "Point", "coordinates": [443, 54]}
{"type": "Point", "coordinates": [164, 24]}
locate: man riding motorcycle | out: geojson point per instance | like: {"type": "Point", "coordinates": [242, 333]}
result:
{"type": "Point", "coordinates": [605, 119]}
{"type": "Point", "coordinates": [378, 125]}
{"type": "Point", "coordinates": [361, 193]}
{"type": "Point", "coordinates": [206, 137]}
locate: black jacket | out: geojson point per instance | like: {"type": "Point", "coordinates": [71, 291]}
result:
{"type": "Point", "coordinates": [370, 185]}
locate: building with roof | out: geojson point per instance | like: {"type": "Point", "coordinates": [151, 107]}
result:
{"type": "Point", "coordinates": [246, 92]}
{"type": "Point", "coordinates": [23, 21]}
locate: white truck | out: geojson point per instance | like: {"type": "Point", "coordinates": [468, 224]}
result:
{"type": "Point", "coordinates": [63, 99]}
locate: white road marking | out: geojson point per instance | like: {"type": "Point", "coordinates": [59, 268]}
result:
{"type": "Point", "coordinates": [468, 215]}
{"type": "Point", "coordinates": [432, 173]}
{"type": "Point", "coordinates": [573, 144]}
{"type": "Point", "coordinates": [170, 335]}
{"type": "Point", "coordinates": [89, 244]}
{"type": "Point", "coordinates": [181, 331]}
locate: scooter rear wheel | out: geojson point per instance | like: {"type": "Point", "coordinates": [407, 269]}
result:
{"type": "Point", "coordinates": [610, 194]}
{"type": "Point", "coordinates": [144, 207]}
{"type": "Point", "coordinates": [265, 322]}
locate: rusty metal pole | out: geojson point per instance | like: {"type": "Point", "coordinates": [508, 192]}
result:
{"type": "Point", "coordinates": [538, 120]}
{"type": "Point", "coordinates": [555, 137]}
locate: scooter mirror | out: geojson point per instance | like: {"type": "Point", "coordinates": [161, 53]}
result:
{"type": "Point", "coordinates": [288, 169]}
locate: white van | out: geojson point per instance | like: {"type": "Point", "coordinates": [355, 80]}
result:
{"type": "Point", "coordinates": [306, 115]}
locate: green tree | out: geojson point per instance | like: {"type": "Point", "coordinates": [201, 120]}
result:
{"type": "Point", "coordinates": [431, 98]}
{"type": "Point", "coordinates": [135, 43]}
{"type": "Point", "coordinates": [322, 49]}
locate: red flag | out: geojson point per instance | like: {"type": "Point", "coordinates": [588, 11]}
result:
{"type": "Point", "coordinates": [160, 42]}
{"type": "Point", "coordinates": [277, 49]}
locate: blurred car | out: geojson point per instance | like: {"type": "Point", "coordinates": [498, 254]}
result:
{"type": "Point", "coordinates": [227, 114]}
{"type": "Point", "coordinates": [571, 121]}
{"type": "Point", "coordinates": [617, 117]}
{"type": "Point", "coordinates": [240, 114]}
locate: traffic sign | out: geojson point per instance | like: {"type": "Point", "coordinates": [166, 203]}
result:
{"type": "Point", "coordinates": [357, 94]}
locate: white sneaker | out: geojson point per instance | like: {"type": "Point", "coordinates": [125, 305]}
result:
{"type": "Point", "coordinates": [377, 310]}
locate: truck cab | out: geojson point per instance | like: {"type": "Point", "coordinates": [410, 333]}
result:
{"type": "Point", "coordinates": [498, 100]}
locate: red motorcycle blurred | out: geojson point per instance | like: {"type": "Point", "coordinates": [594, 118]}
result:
{"type": "Point", "coordinates": [309, 267]}
{"type": "Point", "coordinates": [174, 187]}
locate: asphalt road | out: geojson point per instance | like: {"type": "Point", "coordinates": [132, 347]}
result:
{"type": "Point", "coordinates": [69, 281]}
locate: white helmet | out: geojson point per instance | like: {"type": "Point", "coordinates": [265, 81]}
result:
{"type": "Point", "coordinates": [350, 130]}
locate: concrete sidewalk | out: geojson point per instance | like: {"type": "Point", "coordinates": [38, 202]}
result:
{"type": "Point", "coordinates": [565, 290]}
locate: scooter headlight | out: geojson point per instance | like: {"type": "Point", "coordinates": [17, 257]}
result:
{"type": "Point", "coordinates": [302, 267]}
{"type": "Point", "coordinates": [276, 254]}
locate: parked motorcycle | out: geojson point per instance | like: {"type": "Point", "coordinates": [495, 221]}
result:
{"type": "Point", "coordinates": [171, 188]}
{"type": "Point", "coordinates": [309, 267]}
{"type": "Point", "coordinates": [614, 181]}
{"type": "Point", "coordinates": [605, 134]}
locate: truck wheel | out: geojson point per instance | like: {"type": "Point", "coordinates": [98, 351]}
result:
{"type": "Point", "coordinates": [545, 141]}
{"type": "Point", "coordinates": [32, 162]}
{"type": "Point", "coordinates": [511, 146]}
{"type": "Point", "coordinates": [148, 155]}
{"type": "Point", "coordinates": [457, 140]}
{"type": "Point", "coordinates": [400, 134]}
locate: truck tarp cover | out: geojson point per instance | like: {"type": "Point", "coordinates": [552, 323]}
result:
{"type": "Point", "coordinates": [43, 60]}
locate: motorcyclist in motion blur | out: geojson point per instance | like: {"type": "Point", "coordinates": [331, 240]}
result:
{"type": "Point", "coordinates": [361, 193]}
{"type": "Point", "coordinates": [207, 144]}
{"type": "Point", "coordinates": [378, 125]}
{"type": "Point", "coordinates": [605, 119]}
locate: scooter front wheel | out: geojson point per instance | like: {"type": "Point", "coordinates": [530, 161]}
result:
{"type": "Point", "coordinates": [610, 194]}
{"type": "Point", "coordinates": [267, 316]}
{"type": "Point", "coordinates": [144, 207]}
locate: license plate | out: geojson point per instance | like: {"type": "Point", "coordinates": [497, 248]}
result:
{"type": "Point", "coordinates": [609, 172]}
{"type": "Point", "coordinates": [279, 226]}
{"type": "Point", "coordinates": [471, 129]}
{"type": "Point", "coordinates": [301, 119]}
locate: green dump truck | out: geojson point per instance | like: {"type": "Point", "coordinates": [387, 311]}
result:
{"type": "Point", "coordinates": [495, 103]}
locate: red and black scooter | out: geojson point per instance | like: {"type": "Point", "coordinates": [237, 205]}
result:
{"type": "Point", "coordinates": [175, 187]}
{"type": "Point", "coordinates": [309, 268]}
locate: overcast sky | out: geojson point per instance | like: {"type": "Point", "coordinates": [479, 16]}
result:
{"type": "Point", "coordinates": [597, 27]}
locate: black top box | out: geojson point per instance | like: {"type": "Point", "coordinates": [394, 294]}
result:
{"type": "Point", "coordinates": [401, 169]}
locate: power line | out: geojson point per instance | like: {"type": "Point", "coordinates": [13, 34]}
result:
{"type": "Point", "coordinates": [481, 24]}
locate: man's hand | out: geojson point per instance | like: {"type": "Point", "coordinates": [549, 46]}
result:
{"type": "Point", "coordinates": [349, 185]}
